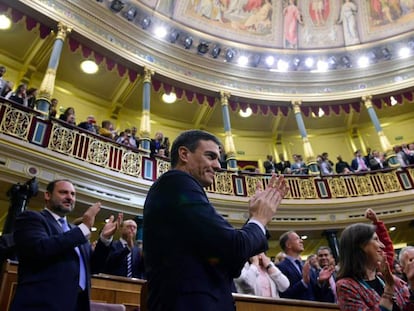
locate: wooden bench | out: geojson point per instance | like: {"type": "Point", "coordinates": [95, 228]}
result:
{"type": "Point", "coordinates": [132, 294]}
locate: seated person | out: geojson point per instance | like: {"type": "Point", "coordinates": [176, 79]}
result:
{"type": "Point", "coordinates": [261, 277]}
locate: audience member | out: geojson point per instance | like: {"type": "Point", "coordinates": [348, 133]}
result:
{"type": "Point", "coordinates": [223, 157]}
{"type": "Point", "coordinates": [18, 96]}
{"type": "Point", "coordinates": [359, 164]}
{"type": "Point", "coordinates": [68, 111]}
{"type": "Point", "coordinates": [342, 167]}
{"type": "Point", "coordinates": [401, 156]}
{"type": "Point", "coordinates": [53, 107]}
{"type": "Point", "coordinates": [31, 97]}
{"type": "Point", "coordinates": [279, 257]}
{"type": "Point", "coordinates": [313, 261]}
{"type": "Point", "coordinates": [325, 276]}
{"type": "Point", "coordinates": [298, 274]}
{"type": "Point", "coordinates": [261, 277]}
{"type": "Point", "coordinates": [359, 286]}
{"type": "Point", "coordinates": [124, 257]}
{"type": "Point", "coordinates": [377, 161]}
{"type": "Point", "coordinates": [89, 124]}
{"type": "Point", "coordinates": [156, 143]}
{"type": "Point", "coordinates": [398, 271]}
{"type": "Point", "coordinates": [283, 166]}
{"type": "Point", "coordinates": [326, 165]}
{"type": "Point", "coordinates": [134, 140]}
{"type": "Point", "coordinates": [269, 165]}
{"type": "Point", "coordinates": [409, 151]}
{"type": "Point", "coordinates": [3, 83]}
{"type": "Point", "coordinates": [53, 272]}
{"type": "Point", "coordinates": [7, 89]}
{"type": "Point", "coordinates": [71, 119]}
{"type": "Point", "coordinates": [406, 259]}
{"type": "Point", "coordinates": [166, 146]}
{"type": "Point", "coordinates": [107, 129]}
{"type": "Point", "coordinates": [192, 253]}
{"type": "Point", "coordinates": [298, 167]}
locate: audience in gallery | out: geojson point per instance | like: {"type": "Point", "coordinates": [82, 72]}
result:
{"type": "Point", "coordinates": [89, 124]}
{"type": "Point", "coordinates": [269, 165]}
{"type": "Point", "coordinates": [279, 258]}
{"type": "Point", "coordinates": [298, 167]}
{"type": "Point", "coordinates": [3, 82]}
{"type": "Point", "coordinates": [31, 94]}
{"type": "Point", "coordinates": [64, 116]}
{"type": "Point", "coordinates": [53, 107]}
{"type": "Point", "coordinates": [342, 167]}
{"type": "Point", "coordinates": [261, 277]}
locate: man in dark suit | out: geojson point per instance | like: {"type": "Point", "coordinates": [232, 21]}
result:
{"type": "Point", "coordinates": [125, 258]}
{"type": "Point", "coordinates": [325, 276]}
{"type": "Point", "coordinates": [283, 166]}
{"type": "Point", "coordinates": [54, 257]}
{"type": "Point", "coordinates": [269, 165]}
{"type": "Point", "coordinates": [299, 275]}
{"type": "Point", "coordinates": [191, 252]}
{"type": "Point", "coordinates": [359, 163]}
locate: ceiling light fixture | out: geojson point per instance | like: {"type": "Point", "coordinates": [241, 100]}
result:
{"type": "Point", "coordinates": [215, 52]}
{"type": "Point", "coordinates": [393, 101]}
{"type": "Point", "coordinates": [393, 228]}
{"type": "Point", "coordinates": [243, 60]}
{"type": "Point", "coordinates": [160, 32]}
{"type": "Point", "coordinates": [5, 22]}
{"type": "Point", "coordinates": [188, 42]}
{"type": "Point", "coordinates": [169, 98]}
{"type": "Point", "coordinates": [246, 113]}
{"type": "Point", "coordinates": [89, 67]}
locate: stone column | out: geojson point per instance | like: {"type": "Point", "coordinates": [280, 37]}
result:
{"type": "Point", "coordinates": [385, 144]}
{"type": "Point", "coordinates": [46, 87]}
{"type": "Point", "coordinates": [145, 128]}
{"type": "Point", "coordinates": [229, 147]}
{"type": "Point", "coordinates": [308, 151]}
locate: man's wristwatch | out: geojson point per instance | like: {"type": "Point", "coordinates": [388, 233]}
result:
{"type": "Point", "coordinates": [270, 265]}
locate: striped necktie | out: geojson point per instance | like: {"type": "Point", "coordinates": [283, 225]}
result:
{"type": "Point", "coordinates": [82, 272]}
{"type": "Point", "coordinates": [129, 264]}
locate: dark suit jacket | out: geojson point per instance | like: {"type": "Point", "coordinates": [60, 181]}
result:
{"type": "Point", "coordinates": [354, 163]}
{"type": "Point", "coordinates": [116, 261]}
{"type": "Point", "coordinates": [191, 253]}
{"type": "Point", "coordinates": [48, 271]}
{"type": "Point", "coordinates": [323, 292]}
{"type": "Point", "coordinates": [296, 290]}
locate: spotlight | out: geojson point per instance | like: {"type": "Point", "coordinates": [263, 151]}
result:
{"type": "Point", "coordinates": [372, 57]}
{"type": "Point", "coordinates": [332, 62]}
{"type": "Point", "coordinates": [202, 48]}
{"type": "Point", "coordinates": [309, 62]}
{"type": "Point", "coordinates": [295, 63]}
{"type": "Point", "coordinates": [229, 55]}
{"type": "Point", "coordinates": [346, 61]}
{"type": "Point", "coordinates": [270, 60]}
{"type": "Point", "coordinates": [188, 42]}
{"type": "Point", "coordinates": [254, 60]}
{"type": "Point", "coordinates": [131, 13]}
{"type": "Point", "coordinates": [215, 52]}
{"type": "Point", "coordinates": [174, 36]}
{"type": "Point", "coordinates": [146, 22]}
{"type": "Point", "coordinates": [117, 5]}
{"type": "Point", "coordinates": [386, 53]}
{"type": "Point", "coordinates": [363, 61]}
{"type": "Point", "coordinates": [243, 60]}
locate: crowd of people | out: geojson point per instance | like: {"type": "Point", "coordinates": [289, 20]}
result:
{"type": "Point", "coordinates": [373, 160]}
{"type": "Point", "coordinates": [192, 258]}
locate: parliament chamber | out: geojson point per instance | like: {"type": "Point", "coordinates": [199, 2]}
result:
{"type": "Point", "coordinates": [295, 110]}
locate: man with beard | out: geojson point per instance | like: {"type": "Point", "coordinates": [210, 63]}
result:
{"type": "Point", "coordinates": [54, 257]}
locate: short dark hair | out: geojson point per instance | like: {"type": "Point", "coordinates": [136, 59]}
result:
{"type": "Point", "coordinates": [51, 186]}
{"type": "Point", "coordinates": [283, 239]}
{"type": "Point", "coordinates": [189, 139]}
{"type": "Point", "coordinates": [321, 248]}
{"type": "Point", "coordinates": [352, 258]}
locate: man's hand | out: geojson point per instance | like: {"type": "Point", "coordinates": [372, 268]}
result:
{"type": "Point", "coordinates": [88, 217]}
{"type": "Point", "coordinates": [325, 273]}
{"type": "Point", "coordinates": [111, 226]}
{"type": "Point", "coordinates": [264, 203]}
{"type": "Point", "coordinates": [306, 272]}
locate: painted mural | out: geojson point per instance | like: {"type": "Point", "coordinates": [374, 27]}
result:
{"type": "Point", "coordinates": [293, 24]}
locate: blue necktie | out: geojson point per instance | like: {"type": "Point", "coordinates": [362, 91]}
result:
{"type": "Point", "coordinates": [82, 272]}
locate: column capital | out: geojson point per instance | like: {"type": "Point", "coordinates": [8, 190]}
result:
{"type": "Point", "coordinates": [367, 100]}
{"type": "Point", "coordinates": [224, 97]}
{"type": "Point", "coordinates": [148, 73]}
{"type": "Point", "coordinates": [296, 103]}
{"type": "Point", "coordinates": [63, 31]}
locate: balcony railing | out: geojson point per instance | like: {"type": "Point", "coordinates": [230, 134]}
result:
{"type": "Point", "coordinates": [58, 136]}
